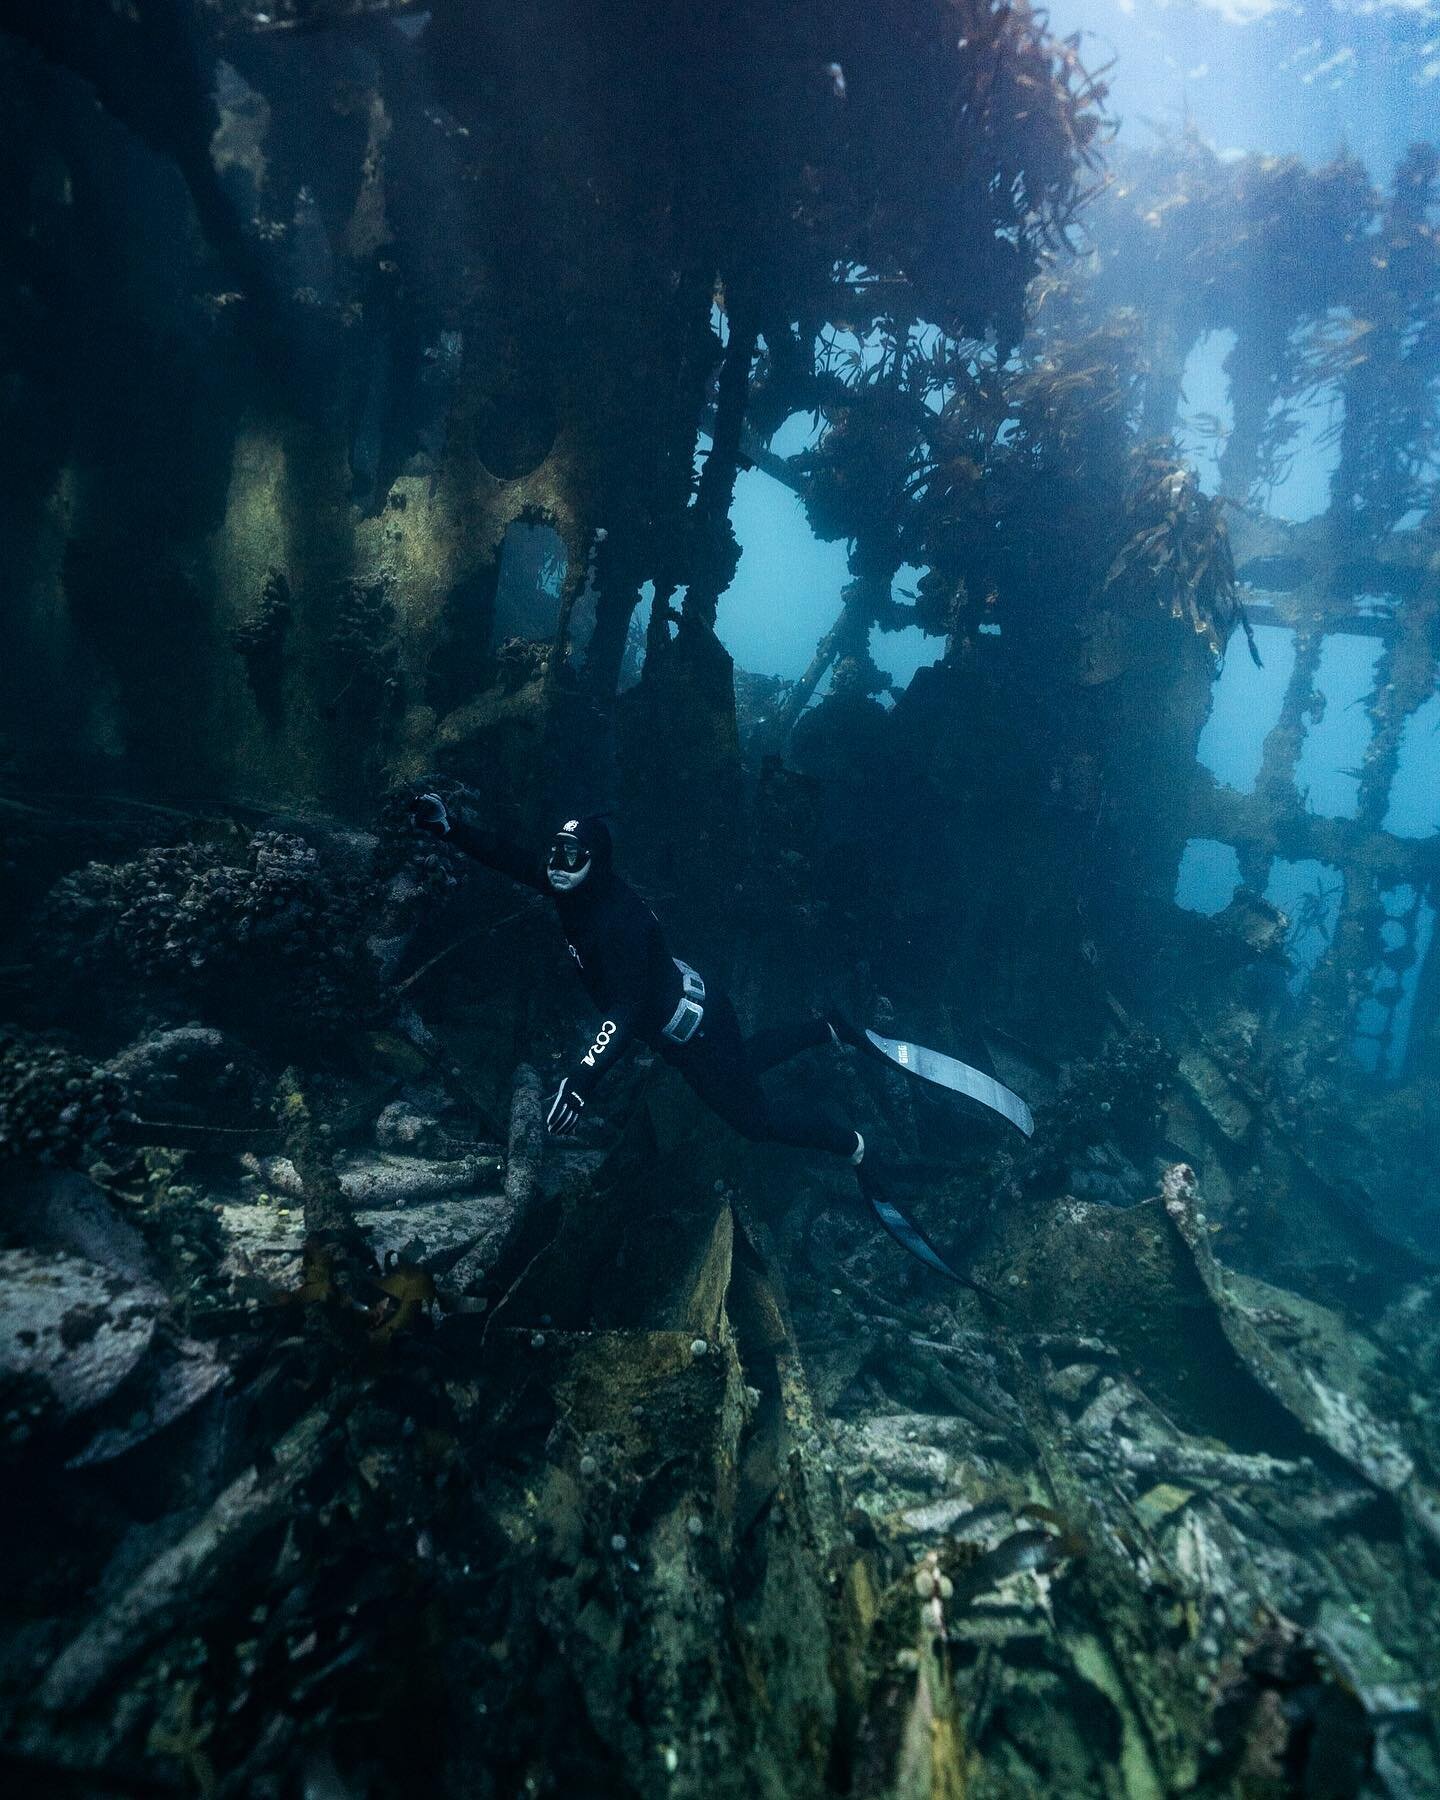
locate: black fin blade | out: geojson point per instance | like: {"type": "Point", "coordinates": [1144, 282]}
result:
{"type": "Point", "coordinates": [910, 1237]}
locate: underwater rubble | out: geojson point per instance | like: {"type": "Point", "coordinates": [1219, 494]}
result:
{"type": "Point", "coordinates": [356, 1438]}
{"type": "Point", "coordinates": [381, 1453]}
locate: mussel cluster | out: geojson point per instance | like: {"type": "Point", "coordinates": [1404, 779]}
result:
{"type": "Point", "coordinates": [519, 661]}
{"type": "Point", "coordinates": [55, 1107]}
{"type": "Point", "coordinates": [261, 633]}
{"type": "Point", "coordinates": [363, 641]}
{"type": "Point", "coordinates": [195, 917]}
{"type": "Point", "coordinates": [429, 865]}
{"type": "Point", "coordinates": [105, 913]}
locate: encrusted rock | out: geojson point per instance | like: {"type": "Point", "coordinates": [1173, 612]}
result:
{"type": "Point", "coordinates": [63, 1210]}
{"type": "Point", "coordinates": [54, 1104]}
{"type": "Point", "coordinates": [266, 1240]}
{"type": "Point", "coordinates": [177, 1377]}
{"type": "Point", "coordinates": [411, 1128]}
{"type": "Point", "coordinates": [1213, 1092]}
{"type": "Point", "coordinates": [188, 1065]}
{"type": "Point", "coordinates": [377, 1181]}
{"type": "Point", "coordinates": [71, 1330]}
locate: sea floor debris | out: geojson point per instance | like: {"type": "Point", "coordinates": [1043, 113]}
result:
{"type": "Point", "coordinates": [1156, 1529]}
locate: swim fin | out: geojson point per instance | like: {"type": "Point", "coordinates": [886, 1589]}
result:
{"type": "Point", "coordinates": [960, 1078]}
{"type": "Point", "coordinates": [909, 1236]}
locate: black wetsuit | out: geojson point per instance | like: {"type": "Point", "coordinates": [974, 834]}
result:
{"type": "Point", "coordinates": [620, 952]}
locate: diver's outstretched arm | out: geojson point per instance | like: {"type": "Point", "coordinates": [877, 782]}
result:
{"type": "Point", "coordinates": [428, 812]}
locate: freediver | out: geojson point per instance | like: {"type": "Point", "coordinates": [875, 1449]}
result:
{"type": "Point", "coordinates": [646, 995]}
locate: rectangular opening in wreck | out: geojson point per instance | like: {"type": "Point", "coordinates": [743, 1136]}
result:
{"type": "Point", "coordinates": [786, 592]}
{"type": "Point", "coordinates": [1207, 412]}
{"type": "Point", "coordinates": [1245, 707]}
{"type": "Point", "coordinates": [1383, 1018]}
{"type": "Point", "coordinates": [1309, 893]}
{"type": "Point", "coordinates": [532, 573]}
{"type": "Point", "coordinates": [1306, 432]}
{"type": "Point", "coordinates": [1209, 876]}
{"type": "Point", "coordinates": [1327, 774]}
{"type": "Point", "coordinates": [1414, 800]}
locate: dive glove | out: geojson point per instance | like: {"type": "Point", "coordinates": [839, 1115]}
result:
{"type": "Point", "coordinates": [565, 1109]}
{"type": "Point", "coordinates": [427, 813]}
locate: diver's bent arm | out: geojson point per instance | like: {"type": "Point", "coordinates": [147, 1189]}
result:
{"type": "Point", "coordinates": [612, 1040]}
{"type": "Point", "coordinates": [607, 1048]}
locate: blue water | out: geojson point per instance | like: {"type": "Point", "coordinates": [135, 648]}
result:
{"type": "Point", "coordinates": [1329, 765]}
{"type": "Point", "coordinates": [801, 431]}
{"type": "Point", "coordinates": [786, 592]}
{"type": "Point", "coordinates": [1285, 77]}
{"type": "Point", "coordinates": [1303, 490]}
{"type": "Point", "coordinates": [900, 653]}
{"type": "Point", "coordinates": [1246, 707]}
{"type": "Point", "coordinates": [1309, 893]}
{"type": "Point", "coordinates": [1206, 416]}
{"type": "Point", "coordinates": [1414, 810]}
{"type": "Point", "coordinates": [1209, 876]}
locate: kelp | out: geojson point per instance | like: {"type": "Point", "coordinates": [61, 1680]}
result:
{"type": "Point", "coordinates": [1178, 554]}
